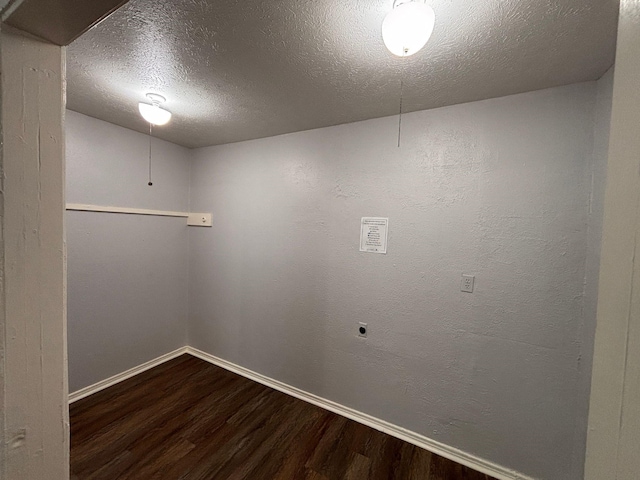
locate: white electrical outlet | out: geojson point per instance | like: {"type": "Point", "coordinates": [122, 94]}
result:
{"type": "Point", "coordinates": [467, 283]}
{"type": "Point", "coordinates": [362, 329]}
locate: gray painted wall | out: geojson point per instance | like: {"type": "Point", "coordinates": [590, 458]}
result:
{"type": "Point", "coordinates": [604, 95]}
{"type": "Point", "coordinates": [108, 165]}
{"type": "Point", "coordinates": [614, 416]}
{"type": "Point", "coordinates": [499, 189]}
{"type": "Point", "coordinates": [128, 274]}
{"type": "Point", "coordinates": [509, 190]}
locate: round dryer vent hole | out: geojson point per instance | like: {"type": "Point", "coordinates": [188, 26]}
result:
{"type": "Point", "coordinates": [362, 329]}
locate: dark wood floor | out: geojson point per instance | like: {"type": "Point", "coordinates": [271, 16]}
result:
{"type": "Point", "coordinates": [187, 419]}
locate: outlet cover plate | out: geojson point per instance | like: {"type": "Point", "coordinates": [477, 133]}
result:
{"type": "Point", "coordinates": [467, 283]}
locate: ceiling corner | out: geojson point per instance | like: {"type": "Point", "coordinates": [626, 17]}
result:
{"type": "Point", "coordinates": [59, 22]}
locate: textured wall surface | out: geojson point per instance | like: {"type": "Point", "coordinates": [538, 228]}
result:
{"type": "Point", "coordinates": [109, 165]}
{"type": "Point", "coordinates": [614, 414]}
{"type": "Point", "coordinates": [127, 273]}
{"type": "Point", "coordinates": [34, 414]}
{"type": "Point", "coordinates": [594, 240]}
{"type": "Point", "coordinates": [240, 70]}
{"type": "Point", "coordinates": [499, 189]}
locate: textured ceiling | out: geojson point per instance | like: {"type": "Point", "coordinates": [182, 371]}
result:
{"type": "Point", "coordinates": [235, 70]}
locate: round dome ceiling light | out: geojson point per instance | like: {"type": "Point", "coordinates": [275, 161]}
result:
{"type": "Point", "coordinates": [153, 113]}
{"type": "Point", "coordinates": [408, 27]}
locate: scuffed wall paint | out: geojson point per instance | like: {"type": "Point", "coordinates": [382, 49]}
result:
{"type": "Point", "coordinates": [127, 273]}
{"type": "Point", "coordinates": [35, 436]}
{"type": "Point", "coordinates": [499, 189]}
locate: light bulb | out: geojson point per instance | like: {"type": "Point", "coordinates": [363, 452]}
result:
{"type": "Point", "coordinates": [407, 28]}
{"type": "Point", "coordinates": [154, 114]}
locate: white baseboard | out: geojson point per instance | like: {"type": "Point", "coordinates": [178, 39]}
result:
{"type": "Point", "coordinates": [96, 387]}
{"type": "Point", "coordinates": [463, 458]}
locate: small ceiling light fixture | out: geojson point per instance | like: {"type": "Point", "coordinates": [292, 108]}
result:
{"type": "Point", "coordinates": [408, 27]}
{"type": "Point", "coordinates": [155, 116]}
{"type": "Point", "coordinates": [153, 113]}
{"type": "Point", "coordinates": [405, 30]}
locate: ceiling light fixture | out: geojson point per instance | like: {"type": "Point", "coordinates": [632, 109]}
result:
{"type": "Point", "coordinates": [153, 113]}
{"type": "Point", "coordinates": [408, 27]}
{"type": "Point", "coordinates": [405, 30]}
{"type": "Point", "coordinates": [155, 116]}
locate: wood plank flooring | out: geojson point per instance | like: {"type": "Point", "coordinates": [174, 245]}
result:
{"type": "Point", "coordinates": [188, 419]}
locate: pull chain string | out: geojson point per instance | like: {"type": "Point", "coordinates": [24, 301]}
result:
{"type": "Point", "coordinates": [150, 132]}
{"type": "Point", "coordinates": [401, 95]}
{"type": "Point", "coordinates": [400, 116]}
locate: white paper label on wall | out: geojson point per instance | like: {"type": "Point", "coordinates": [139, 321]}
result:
{"type": "Point", "coordinates": [373, 234]}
